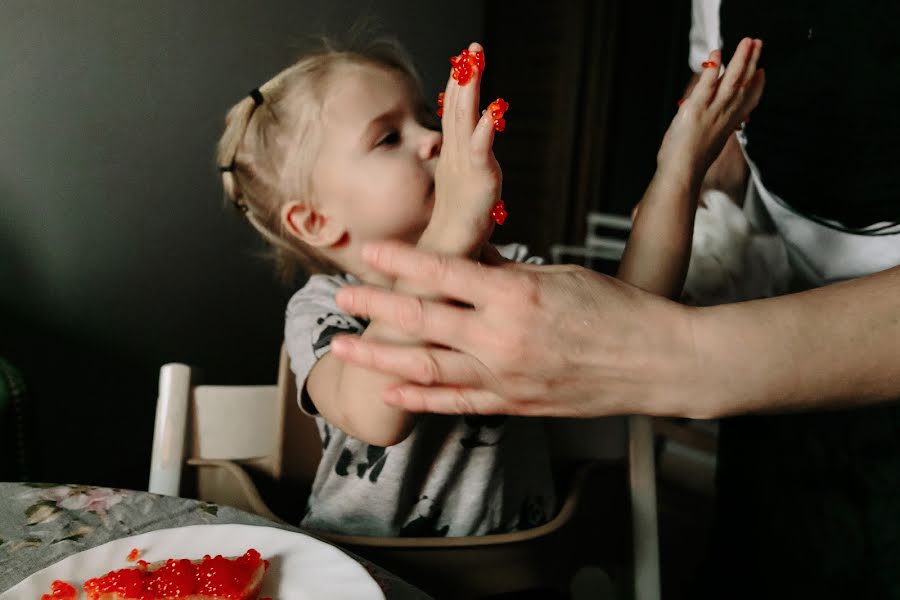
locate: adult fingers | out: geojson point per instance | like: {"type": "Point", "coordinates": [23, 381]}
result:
{"type": "Point", "coordinates": [450, 277]}
{"type": "Point", "coordinates": [446, 400]}
{"type": "Point", "coordinates": [436, 322]}
{"type": "Point", "coordinates": [416, 364]}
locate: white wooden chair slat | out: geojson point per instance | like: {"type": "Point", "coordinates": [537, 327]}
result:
{"type": "Point", "coordinates": [169, 430]}
{"type": "Point", "coordinates": [235, 422]}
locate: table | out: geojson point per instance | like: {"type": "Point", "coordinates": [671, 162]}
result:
{"type": "Point", "coordinates": [41, 524]}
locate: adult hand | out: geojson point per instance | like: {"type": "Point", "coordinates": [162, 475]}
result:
{"type": "Point", "coordinates": [530, 340]}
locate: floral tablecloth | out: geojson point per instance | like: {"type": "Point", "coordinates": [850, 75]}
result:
{"type": "Point", "coordinates": [41, 524]}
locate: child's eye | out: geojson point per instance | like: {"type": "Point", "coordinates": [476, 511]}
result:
{"type": "Point", "coordinates": [390, 139]}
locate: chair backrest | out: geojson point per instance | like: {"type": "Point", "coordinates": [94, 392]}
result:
{"type": "Point", "coordinates": [256, 426]}
{"type": "Point", "coordinates": [239, 423]}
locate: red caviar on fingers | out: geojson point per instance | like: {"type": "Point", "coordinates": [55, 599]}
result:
{"type": "Point", "coordinates": [463, 63]}
{"type": "Point", "coordinates": [498, 108]}
{"type": "Point", "coordinates": [440, 110]}
{"type": "Point", "coordinates": [498, 213]}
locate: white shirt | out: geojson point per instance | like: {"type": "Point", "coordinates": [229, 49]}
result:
{"type": "Point", "coordinates": [819, 252]}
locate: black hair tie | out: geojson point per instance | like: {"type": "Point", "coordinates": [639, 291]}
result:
{"type": "Point", "coordinates": [257, 101]}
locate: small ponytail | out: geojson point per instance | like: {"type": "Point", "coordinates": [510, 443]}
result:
{"type": "Point", "coordinates": [236, 123]}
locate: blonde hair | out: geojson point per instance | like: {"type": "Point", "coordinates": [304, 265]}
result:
{"type": "Point", "coordinates": [266, 153]}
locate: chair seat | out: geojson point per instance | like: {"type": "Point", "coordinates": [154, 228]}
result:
{"type": "Point", "coordinates": [544, 557]}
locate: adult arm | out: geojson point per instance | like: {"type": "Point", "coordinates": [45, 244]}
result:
{"type": "Point", "coordinates": [564, 340]}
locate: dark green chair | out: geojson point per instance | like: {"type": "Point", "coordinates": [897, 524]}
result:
{"type": "Point", "coordinates": [13, 456]}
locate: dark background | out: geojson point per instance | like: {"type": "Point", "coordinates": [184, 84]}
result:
{"type": "Point", "coordinates": [117, 253]}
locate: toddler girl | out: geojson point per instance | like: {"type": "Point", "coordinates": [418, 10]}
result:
{"type": "Point", "coordinates": [334, 151]}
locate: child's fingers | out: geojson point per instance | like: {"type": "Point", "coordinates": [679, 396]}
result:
{"type": "Point", "coordinates": [482, 140]}
{"type": "Point", "coordinates": [476, 47]}
{"type": "Point", "coordinates": [466, 109]}
{"type": "Point", "coordinates": [705, 88]}
{"type": "Point", "coordinates": [448, 121]}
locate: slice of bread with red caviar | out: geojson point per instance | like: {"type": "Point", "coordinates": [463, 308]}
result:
{"type": "Point", "coordinates": [211, 578]}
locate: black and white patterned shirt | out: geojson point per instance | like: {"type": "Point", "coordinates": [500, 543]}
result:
{"type": "Point", "coordinates": [452, 476]}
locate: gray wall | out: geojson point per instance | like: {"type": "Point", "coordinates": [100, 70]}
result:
{"type": "Point", "coordinates": [116, 251]}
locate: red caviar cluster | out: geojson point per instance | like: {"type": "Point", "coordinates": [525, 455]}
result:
{"type": "Point", "coordinates": [462, 65]}
{"type": "Point", "coordinates": [133, 555]}
{"type": "Point", "coordinates": [60, 590]}
{"type": "Point", "coordinates": [498, 108]}
{"type": "Point", "coordinates": [440, 110]}
{"type": "Point", "coordinates": [180, 578]}
{"type": "Point", "coordinates": [498, 213]}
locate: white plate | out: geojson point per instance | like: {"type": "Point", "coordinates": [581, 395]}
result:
{"type": "Point", "coordinates": [301, 567]}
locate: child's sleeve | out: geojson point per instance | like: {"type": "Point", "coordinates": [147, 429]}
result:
{"type": "Point", "coordinates": [519, 253]}
{"type": "Point", "coordinates": [705, 34]}
{"type": "Point", "coordinates": [312, 319]}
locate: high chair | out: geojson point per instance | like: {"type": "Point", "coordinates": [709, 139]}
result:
{"type": "Point", "coordinates": [239, 438]}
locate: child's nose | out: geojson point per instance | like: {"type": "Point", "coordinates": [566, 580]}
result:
{"type": "Point", "coordinates": [431, 145]}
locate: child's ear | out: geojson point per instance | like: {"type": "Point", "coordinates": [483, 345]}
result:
{"type": "Point", "coordinates": [311, 226]}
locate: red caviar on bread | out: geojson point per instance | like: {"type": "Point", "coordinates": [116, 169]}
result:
{"type": "Point", "coordinates": [211, 578]}
{"type": "Point", "coordinates": [61, 590]}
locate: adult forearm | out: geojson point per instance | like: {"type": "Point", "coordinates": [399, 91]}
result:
{"type": "Point", "coordinates": [830, 347]}
{"type": "Point", "coordinates": [566, 341]}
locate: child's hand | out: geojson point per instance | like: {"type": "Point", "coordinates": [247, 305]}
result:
{"type": "Point", "coordinates": [711, 112]}
{"type": "Point", "coordinates": [468, 177]}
